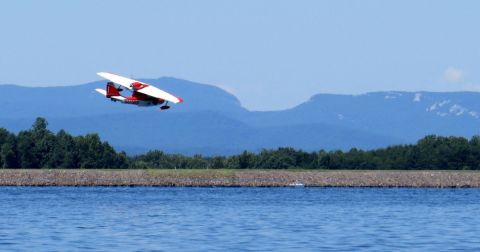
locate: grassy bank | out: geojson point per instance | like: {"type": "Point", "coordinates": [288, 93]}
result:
{"type": "Point", "coordinates": [159, 177]}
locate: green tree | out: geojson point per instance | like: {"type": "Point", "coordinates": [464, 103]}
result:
{"type": "Point", "coordinates": [90, 151]}
{"type": "Point", "coordinates": [25, 146]}
{"type": "Point", "coordinates": [65, 152]}
{"type": "Point", "coordinates": [217, 162]}
{"type": "Point", "coordinates": [246, 160]}
{"type": "Point", "coordinates": [44, 142]}
{"type": "Point", "coordinates": [8, 153]}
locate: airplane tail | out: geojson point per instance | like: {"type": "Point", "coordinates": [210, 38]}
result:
{"type": "Point", "coordinates": [112, 90]}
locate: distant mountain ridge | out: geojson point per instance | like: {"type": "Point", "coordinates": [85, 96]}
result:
{"type": "Point", "coordinates": [404, 115]}
{"type": "Point", "coordinates": [212, 121]}
{"type": "Point", "coordinates": [82, 100]}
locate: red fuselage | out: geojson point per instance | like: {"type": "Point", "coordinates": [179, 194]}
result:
{"type": "Point", "coordinates": [139, 98]}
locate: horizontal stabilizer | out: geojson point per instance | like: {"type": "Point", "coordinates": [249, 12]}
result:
{"type": "Point", "coordinates": [101, 91]}
{"type": "Point", "coordinates": [118, 98]}
{"type": "Point", "coordinates": [104, 93]}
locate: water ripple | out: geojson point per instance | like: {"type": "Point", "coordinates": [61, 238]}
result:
{"type": "Point", "coordinates": [247, 219]}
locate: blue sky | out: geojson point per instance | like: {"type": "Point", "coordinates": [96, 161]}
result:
{"type": "Point", "coordinates": [270, 54]}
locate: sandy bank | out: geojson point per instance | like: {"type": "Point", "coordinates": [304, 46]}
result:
{"type": "Point", "coordinates": [12, 177]}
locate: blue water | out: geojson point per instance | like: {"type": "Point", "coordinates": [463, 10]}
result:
{"type": "Point", "coordinates": [238, 219]}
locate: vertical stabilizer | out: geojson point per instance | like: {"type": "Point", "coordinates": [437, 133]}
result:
{"type": "Point", "coordinates": [112, 90]}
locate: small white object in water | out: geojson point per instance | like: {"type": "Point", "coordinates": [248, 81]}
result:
{"type": "Point", "coordinates": [296, 184]}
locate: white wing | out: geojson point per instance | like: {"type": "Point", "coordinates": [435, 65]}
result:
{"type": "Point", "coordinates": [125, 82]}
{"type": "Point", "coordinates": [160, 94]}
{"type": "Point", "coordinates": [148, 90]}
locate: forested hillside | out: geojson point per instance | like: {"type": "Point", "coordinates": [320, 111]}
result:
{"type": "Point", "coordinates": [39, 147]}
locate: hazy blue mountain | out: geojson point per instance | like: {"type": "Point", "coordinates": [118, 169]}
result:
{"type": "Point", "coordinates": [404, 115]}
{"type": "Point", "coordinates": [212, 121]}
{"type": "Point", "coordinates": [83, 100]}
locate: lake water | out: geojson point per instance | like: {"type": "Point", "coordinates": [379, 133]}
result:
{"type": "Point", "coordinates": [238, 219]}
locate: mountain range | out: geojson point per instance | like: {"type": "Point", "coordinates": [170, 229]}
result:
{"type": "Point", "coordinates": [212, 121]}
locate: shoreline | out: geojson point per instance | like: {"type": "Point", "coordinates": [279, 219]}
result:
{"type": "Point", "coordinates": [240, 178]}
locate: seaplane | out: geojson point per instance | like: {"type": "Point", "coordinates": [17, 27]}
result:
{"type": "Point", "coordinates": [143, 94]}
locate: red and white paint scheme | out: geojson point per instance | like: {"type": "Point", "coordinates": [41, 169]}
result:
{"type": "Point", "coordinates": [143, 94]}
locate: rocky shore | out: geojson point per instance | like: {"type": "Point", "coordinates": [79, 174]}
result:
{"type": "Point", "coordinates": [342, 178]}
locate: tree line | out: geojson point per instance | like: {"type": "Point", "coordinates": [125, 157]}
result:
{"type": "Point", "coordinates": [38, 147]}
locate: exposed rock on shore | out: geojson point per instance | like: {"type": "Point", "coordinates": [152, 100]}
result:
{"type": "Point", "coordinates": [340, 178]}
